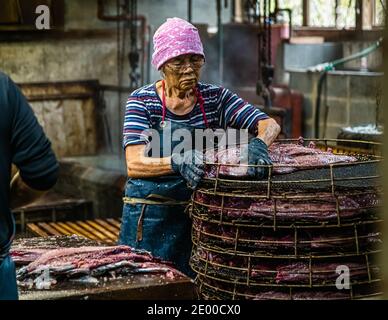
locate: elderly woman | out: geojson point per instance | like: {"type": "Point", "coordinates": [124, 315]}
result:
{"type": "Point", "coordinates": [158, 189]}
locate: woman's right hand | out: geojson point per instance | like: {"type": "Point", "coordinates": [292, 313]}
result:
{"type": "Point", "coordinates": [190, 166]}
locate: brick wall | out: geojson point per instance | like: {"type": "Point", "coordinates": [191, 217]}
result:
{"type": "Point", "coordinates": [351, 97]}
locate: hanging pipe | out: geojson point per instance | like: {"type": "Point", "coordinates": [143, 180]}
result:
{"type": "Point", "coordinates": [289, 13]}
{"type": "Point", "coordinates": [220, 42]}
{"type": "Point", "coordinates": [125, 17]}
{"type": "Point", "coordinates": [189, 11]}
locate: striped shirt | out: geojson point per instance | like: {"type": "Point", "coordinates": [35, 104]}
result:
{"type": "Point", "coordinates": [223, 109]}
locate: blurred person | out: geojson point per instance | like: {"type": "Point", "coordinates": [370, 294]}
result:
{"type": "Point", "coordinates": [24, 144]}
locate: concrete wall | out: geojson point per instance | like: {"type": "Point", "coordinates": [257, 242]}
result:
{"type": "Point", "coordinates": [69, 114]}
{"type": "Point", "coordinates": [94, 57]}
{"type": "Point", "coordinates": [351, 99]}
{"type": "Point", "coordinates": [156, 12]}
{"type": "Point", "coordinates": [67, 60]}
{"type": "Point", "coordinates": [86, 58]}
{"type": "Point", "coordinates": [301, 56]}
{"type": "Point", "coordinates": [372, 62]}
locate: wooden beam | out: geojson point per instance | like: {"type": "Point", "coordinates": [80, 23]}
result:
{"type": "Point", "coordinates": [58, 13]}
{"type": "Point", "coordinates": [336, 13]}
{"type": "Point", "coordinates": [384, 211]}
{"type": "Point", "coordinates": [238, 11]}
{"type": "Point", "coordinates": [332, 34]}
{"type": "Point", "coordinates": [359, 15]}
{"type": "Point", "coordinates": [367, 14]}
{"type": "Point", "coordinates": [306, 13]}
{"type": "Point", "coordinates": [7, 35]}
{"type": "Point", "coordinates": [364, 14]}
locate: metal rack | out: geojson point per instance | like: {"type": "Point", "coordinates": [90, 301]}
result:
{"type": "Point", "coordinates": [213, 207]}
{"type": "Point", "coordinates": [245, 239]}
{"type": "Point", "coordinates": [214, 291]}
{"type": "Point", "coordinates": [330, 178]}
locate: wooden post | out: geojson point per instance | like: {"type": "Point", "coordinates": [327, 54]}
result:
{"type": "Point", "coordinates": [306, 13]}
{"type": "Point", "coordinates": [364, 14]}
{"type": "Point", "coordinates": [238, 11]}
{"type": "Point", "coordinates": [336, 13]}
{"type": "Point", "coordinates": [189, 10]}
{"type": "Point", "coordinates": [367, 14]}
{"type": "Point", "coordinates": [384, 211]}
{"type": "Point", "coordinates": [359, 15]}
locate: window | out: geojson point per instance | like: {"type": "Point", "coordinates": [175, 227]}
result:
{"type": "Point", "coordinates": [256, 8]}
{"type": "Point", "coordinates": [346, 14]}
{"type": "Point", "coordinates": [379, 12]}
{"type": "Point", "coordinates": [297, 10]}
{"type": "Point", "coordinates": [340, 14]}
{"type": "Point", "coordinates": [334, 14]}
{"type": "Point", "coordinates": [321, 13]}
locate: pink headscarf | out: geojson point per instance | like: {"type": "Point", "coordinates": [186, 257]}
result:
{"type": "Point", "coordinates": [174, 38]}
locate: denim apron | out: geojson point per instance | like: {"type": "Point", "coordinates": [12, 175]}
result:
{"type": "Point", "coordinates": [154, 217]}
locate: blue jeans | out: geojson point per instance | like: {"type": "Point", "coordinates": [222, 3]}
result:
{"type": "Point", "coordinates": [8, 286]}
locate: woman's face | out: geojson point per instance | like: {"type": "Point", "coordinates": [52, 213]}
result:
{"type": "Point", "coordinates": [183, 72]}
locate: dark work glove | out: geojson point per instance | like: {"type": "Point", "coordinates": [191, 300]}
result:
{"type": "Point", "coordinates": [190, 166]}
{"type": "Point", "coordinates": [258, 155]}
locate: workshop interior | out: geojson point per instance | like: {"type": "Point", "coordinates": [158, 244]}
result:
{"type": "Point", "coordinates": [303, 221]}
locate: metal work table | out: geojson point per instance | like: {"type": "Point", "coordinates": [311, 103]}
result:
{"type": "Point", "coordinates": [131, 287]}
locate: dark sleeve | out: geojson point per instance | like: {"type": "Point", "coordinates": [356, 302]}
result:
{"type": "Point", "coordinates": [31, 150]}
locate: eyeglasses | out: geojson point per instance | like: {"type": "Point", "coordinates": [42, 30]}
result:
{"type": "Point", "coordinates": [180, 64]}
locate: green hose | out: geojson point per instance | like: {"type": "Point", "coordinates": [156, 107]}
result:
{"type": "Point", "coordinates": [329, 66]}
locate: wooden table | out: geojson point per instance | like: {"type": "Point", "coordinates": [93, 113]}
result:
{"type": "Point", "coordinates": [131, 287]}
